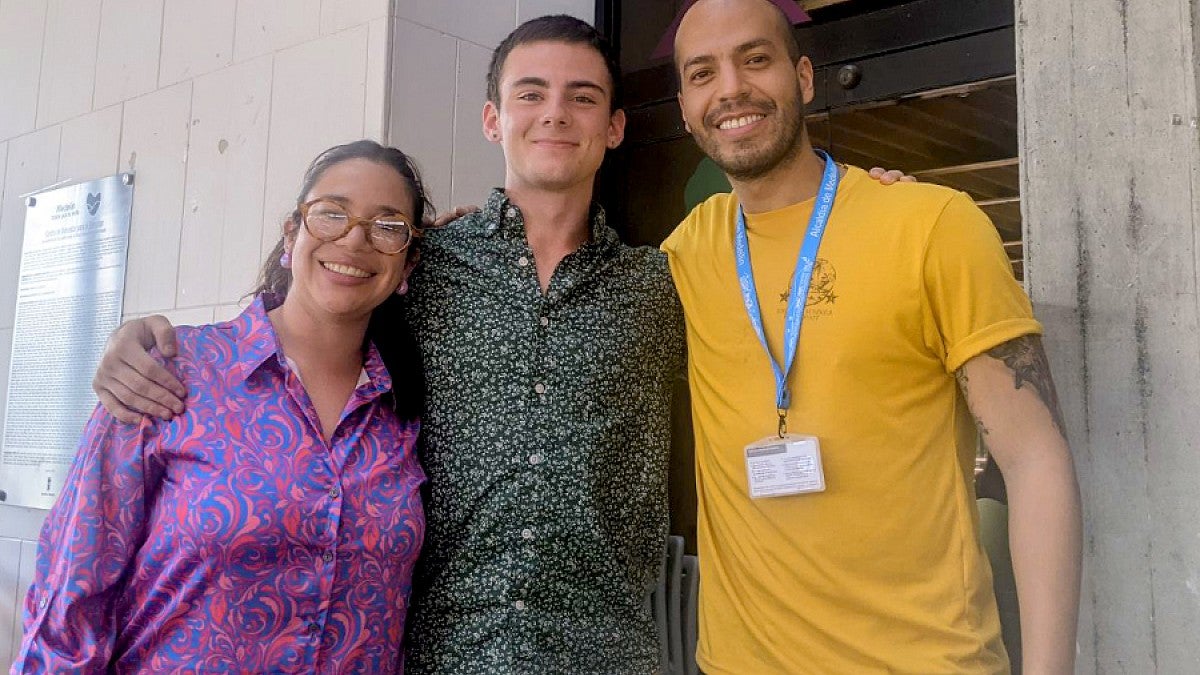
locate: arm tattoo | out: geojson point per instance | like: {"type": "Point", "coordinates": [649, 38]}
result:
{"type": "Point", "coordinates": [963, 380]}
{"type": "Point", "coordinates": [1025, 357]}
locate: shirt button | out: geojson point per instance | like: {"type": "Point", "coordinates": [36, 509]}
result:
{"type": "Point", "coordinates": [327, 556]}
{"type": "Point", "coordinates": [527, 534]}
{"type": "Point", "coordinates": [539, 388]}
{"type": "Point", "coordinates": [535, 459]}
{"type": "Point", "coordinates": [519, 605]}
{"type": "Point", "coordinates": [313, 628]}
{"type": "Point", "coordinates": [42, 602]}
{"type": "Point", "coordinates": [523, 261]}
{"type": "Point", "coordinates": [333, 493]}
{"type": "Point", "coordinates": [512, 213]}
{"type": "Point", "coordinates": [545, 321]}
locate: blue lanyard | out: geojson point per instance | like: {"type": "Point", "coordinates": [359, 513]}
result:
{"type": "Point", "coordinates": [801, 279]}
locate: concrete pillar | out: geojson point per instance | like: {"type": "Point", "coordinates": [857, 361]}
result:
{"type": "Point", "coordinates": [1110, 164]}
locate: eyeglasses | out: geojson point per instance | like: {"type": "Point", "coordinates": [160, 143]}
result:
{"type": "Point", "coordinates": [389, 233]}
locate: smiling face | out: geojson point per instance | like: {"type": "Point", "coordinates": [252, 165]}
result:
{"type": "Point", "coordinates": [553, 118]}
{"type": "Point", "coordinates": [347, 278]}
{"type": "Point", "coordinates": [741, 95]}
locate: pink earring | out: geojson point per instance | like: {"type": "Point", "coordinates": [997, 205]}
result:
{"type": "Point", "coordinates": [402, 288]}
{"type": "Point", "coordinates": [285, 260]}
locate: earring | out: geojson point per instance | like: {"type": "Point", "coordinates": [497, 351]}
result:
{"type": "Point", "coordinates": [285, 260]}
{"type": "Point", "coordinates": [402, 288]}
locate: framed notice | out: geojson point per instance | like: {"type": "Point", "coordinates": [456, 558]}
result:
{"type": "Point", "coordinates": [72, 280]}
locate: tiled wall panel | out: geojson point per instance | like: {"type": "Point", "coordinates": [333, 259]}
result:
{"type": "Point", "coordinates": [318, 99]}
{"type": "Point", "coordinates": [22, 29]}
{"type": "Point", "coordinates": [127, 58]}
{"type": "Point", "coordinates": [479, 162]}
{"type": "Point", "coordinates": [31, 165]}
{"type": "Point", "coordinates": [422, 112]}
{"type": "Point", "coordinates": [266, 26]}
{"type": "Point", "coordinates": [90, 145]}
{"type": "Point", "coordinates": [484, 23]}
{"type": "Point", "coordinates": [197, 38]}
{"type": "Point", "coordinates": [68, 70]}
{"type": "Point", "coordinates": [223, 204]}
{"type": "Point", "coordinates": [154, 145]}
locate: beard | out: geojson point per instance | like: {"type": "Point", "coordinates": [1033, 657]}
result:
{"type": "Point", "coordinates": [748, 160]}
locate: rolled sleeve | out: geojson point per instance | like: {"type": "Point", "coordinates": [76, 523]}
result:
{"type": "Point", "coordinates": [973, 302]}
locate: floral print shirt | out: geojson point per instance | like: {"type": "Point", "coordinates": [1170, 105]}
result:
{"type": "Point", "coordinates": [232, 538]}
{"type": "Point", "coordinates": [546, 434]}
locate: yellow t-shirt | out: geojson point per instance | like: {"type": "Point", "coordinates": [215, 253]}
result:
{"type": "Point", "coordinates": [883, 571]}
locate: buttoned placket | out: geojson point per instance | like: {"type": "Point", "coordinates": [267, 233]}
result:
{"type": "Point", "coordinates": [332, 500]}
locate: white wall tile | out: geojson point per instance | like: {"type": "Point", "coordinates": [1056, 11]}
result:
{"type": "Point", "coordinates": [342, 14]}
{"type": "Point", "coordinates": [264, 26]}
{"type": "Point", "coordinates": [197, 38]}
{"type": "Point", "coordinates": [10, 597]}
{"type": "Point", "coordinates": [229, 312]}
{"type": "Point", "coordinates": [317, 100]}
{"type": "Point", "coordinates": [127, 58]}
{"type": "Point", "coordinates": [478, 162]}
{"type": "Point", "coordinates": [223, 205]}
{"type": "Point", "coordinates": [68, 60]}
{"type": "Point", "coordinates": [581, 9]}
{"type": "Point", "coordinates": [422, 102]}
{"type": "Point", "coordinates": [193, 316]}
{"type": "Point", "coordinates": [22, 28]}
{"type": "Point", "coordinates": [90, 145]}
{"type": "Point", "coordinates": [484, 23]}
{"type": "Point", "coordinates": [3, 174]}
{"type": "Point", "coordinates": [376, 105]}
{"type": "Point", "coordinates": [154, 143]}
{"type": "Point", "coordinates": [32, 164]}
{"type": "Point", "coordinates": [23, 523]}
{"type": "Point", "coordinates": [28, 563]}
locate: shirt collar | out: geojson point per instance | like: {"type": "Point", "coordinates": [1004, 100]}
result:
{"type": "Point", "coordinates": [257, 343]}
{"type": "Point", "coordinates": [501, 215]}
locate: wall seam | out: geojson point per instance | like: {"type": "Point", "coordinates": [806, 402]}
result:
{"type": "Point", "coordinates": [454, 116]}
{"type": "Point", "coordinates": [187, 156]}
{"type": "Point", "coordinates": [162, 27]}
{"type": "Point", "coordinates": [262, 215]}
{"type": "Point", "coordinates": [37, 93]}
{"type": "Point", "coordinates": [389, 39]}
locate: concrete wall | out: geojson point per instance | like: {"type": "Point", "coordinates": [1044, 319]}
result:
{"type": "Point", "coordinates": [1111, 191]}
{"type": "Point", "coordinates": [218, 107]}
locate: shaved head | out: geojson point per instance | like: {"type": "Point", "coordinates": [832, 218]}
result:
{"type": "Point", "coordinates": [701, 10]}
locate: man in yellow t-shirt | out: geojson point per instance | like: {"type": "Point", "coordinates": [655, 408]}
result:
{"type": "Point", "coordinates": [914, 333]}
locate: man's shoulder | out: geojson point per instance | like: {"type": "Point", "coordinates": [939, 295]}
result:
{"type": "Point", "coordinates": [472, 223]}
{"type": "Point", "coordinates": [918, 197]}
{"type": "Point", "coordinates": [714, 213]}
{"type": "Point", "coordinates": [642, 258]}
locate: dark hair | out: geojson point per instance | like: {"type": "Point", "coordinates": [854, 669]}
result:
{"type": "Point", "coordinates": [398, 347]}
{"type": "Point", "coordinates": [554, 28]}
{"type": "Point", "coordinates": [275, 278]}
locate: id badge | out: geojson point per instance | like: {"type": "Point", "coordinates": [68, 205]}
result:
{"type": "Point", "coordinates": [791, 465]}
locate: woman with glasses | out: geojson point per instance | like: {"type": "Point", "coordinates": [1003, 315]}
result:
{"type": "Point", "coordinates": [273, 525]}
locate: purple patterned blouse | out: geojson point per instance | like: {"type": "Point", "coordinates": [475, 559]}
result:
{"type": "Point", "coordinates": [232, 538]}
